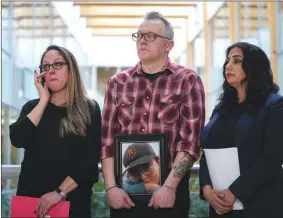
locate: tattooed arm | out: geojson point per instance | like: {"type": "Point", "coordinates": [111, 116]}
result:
{"type": "Point", "coordinates": [182, 164]}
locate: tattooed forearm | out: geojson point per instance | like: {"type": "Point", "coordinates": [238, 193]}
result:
{"type": "Point", "coordinates": [184, 165]}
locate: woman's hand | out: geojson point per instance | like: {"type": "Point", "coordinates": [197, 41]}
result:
{"type": "Point", "coordinates": [46, 202]}
{"type": "Point", "coordinates": [42, 90]}
{"type": "Point", "coordinates": [228, 196]}
{"type": "Point", "coordinates": [216, 200]}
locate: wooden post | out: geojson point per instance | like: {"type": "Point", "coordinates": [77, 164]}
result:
{"type": "Point", "coordinates": [231, 18]}
{"type": "Point", "coordinates": [272, 27]}
{"type": "Point", "coordinates": [189, 49]}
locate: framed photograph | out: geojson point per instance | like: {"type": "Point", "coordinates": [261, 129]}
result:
{"type": "Point", "coordinates": [141, 164]}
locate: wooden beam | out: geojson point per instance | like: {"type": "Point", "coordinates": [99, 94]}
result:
{"type": "Point", "coordinates": [272, 28]}
{"type": "Point", "coordinates": [138, 4]}
{"type": "Point", "coordinates": [41, 33]}
{"type": "Point", "coordinates": [46, 27]}
{"type": "Point", "coordinates": [40, 22]}
{"type": "Point", "coordinates": [127, 10]}
{"type": "Point", "coordinates": [189, 49]}
{"type": "Point", "coordinates": [28, 11]}
{"type": "Point", "coordinates": [231, 12]}
{"type": "Point", "coordinates": [252, 12]}
{"type": "Point", "coordinates": [121, 26]}
{"type": "Point", "coordinates": [226, 28]}
{"type": "Point", "coordinates": [26, 4]}
{"type": "Point", "coordinates": [252, 17]}
{"type": "Point", "coordinates": [113, 31]}
{"type": "Point", "coordinates": [126, 16]}
{"type": "Point", "coordinates": [126, 22]}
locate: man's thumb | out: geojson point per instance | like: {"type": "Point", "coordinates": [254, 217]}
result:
{"type": "Point", "coordinates": [129, 201]}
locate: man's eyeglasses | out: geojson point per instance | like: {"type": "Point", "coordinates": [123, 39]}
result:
{"type": "Point", "coordinates": [56, 65]}
{"type": "Point", "coordinates": [150, 36]}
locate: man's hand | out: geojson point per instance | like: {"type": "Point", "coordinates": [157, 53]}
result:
{"type": "Point", "coordinates": [163, 198]}
{"type": "Point", "coordinates": [216, 200]}
{"type": "Point", "coordinates": [46, 202]}
{"type": "Point", "coordinates": [118, 198]}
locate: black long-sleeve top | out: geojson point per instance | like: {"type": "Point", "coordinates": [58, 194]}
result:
{"type": "Point", "coordinates": [49, 159]}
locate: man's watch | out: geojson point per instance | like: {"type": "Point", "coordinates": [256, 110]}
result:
{"type": "Point", "coordinates": [61, 193]}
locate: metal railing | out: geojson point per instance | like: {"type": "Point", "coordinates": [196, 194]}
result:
{"type": "Point", "coordinates": [13, 171]}
{"type": "Point", "coordinates": [100, 207]}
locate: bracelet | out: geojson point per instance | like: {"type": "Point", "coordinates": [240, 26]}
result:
{"type": "Point", "coordinates": [167, 186]}
{"type": "Point", "coordinates": [61, 193]}
{"type": "Point", "coordinates": [106, 190]}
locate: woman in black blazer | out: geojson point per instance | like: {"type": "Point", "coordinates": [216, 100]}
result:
{"type": "Point", "coordinates": [249, 116]}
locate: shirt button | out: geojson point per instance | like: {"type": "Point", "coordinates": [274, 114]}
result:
{"type": "Point", "coordinates": [123, 105]}
{"type": "Point", "coordinates": [144, 113]}
{"type": "Point", "coordinates": [147, 97]}
{"type": "Point", "coordinates": [143, 130]}
{"type": "Point", "coordinates": [170, 101]}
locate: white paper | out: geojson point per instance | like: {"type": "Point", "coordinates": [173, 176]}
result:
{"type": "Point", "coordinates": [224, 169]}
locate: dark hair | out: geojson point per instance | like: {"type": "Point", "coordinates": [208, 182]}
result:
{"type": "Point", "coordinates": [136, 171]}
{"type": "Point", "coordinates": [259, 77]}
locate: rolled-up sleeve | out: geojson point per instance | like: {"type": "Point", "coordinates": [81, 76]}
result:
{"type": "Point", "coordinates": [192, 114]}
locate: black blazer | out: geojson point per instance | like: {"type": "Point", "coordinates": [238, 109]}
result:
{"type": "Point", "coordinates": [260, 148]}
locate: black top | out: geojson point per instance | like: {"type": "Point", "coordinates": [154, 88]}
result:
{"type": "Point", "coordinates": [222, 132]}
{"type": "Point", "coordinates": [260, 184]}
{"type": "Point", "coordinates": [152, 76]}
{"type": "Point", "coordinates": [49, 159]}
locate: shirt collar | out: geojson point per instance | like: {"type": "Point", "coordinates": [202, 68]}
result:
{"type": "Point", "coordinates": [168, 66]}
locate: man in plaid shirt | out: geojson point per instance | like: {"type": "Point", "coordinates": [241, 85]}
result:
{"type": "Point", "coordinates": [155, 96]}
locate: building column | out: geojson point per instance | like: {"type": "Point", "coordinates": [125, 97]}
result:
{"type": "Point", "coordinates": [272, 27]}
{"type": "Point", "coordinates": [231, 19]}
{"type": "Point", "coordinates": [189, 49]}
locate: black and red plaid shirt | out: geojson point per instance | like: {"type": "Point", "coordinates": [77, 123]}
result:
{"type": "Point", "coordinates": [173, 104]}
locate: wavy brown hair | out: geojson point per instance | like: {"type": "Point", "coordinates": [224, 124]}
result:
{"type": "Point", "coordinates": [78, 105]}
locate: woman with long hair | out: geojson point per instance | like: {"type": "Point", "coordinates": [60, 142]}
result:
{"type": "Point", "coordinates": [60, 133]}
{"type": "Point", "coordinates": [249, 117]}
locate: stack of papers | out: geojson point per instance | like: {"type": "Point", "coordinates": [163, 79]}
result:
{"type": "Point", "coordinates": [224, 169]}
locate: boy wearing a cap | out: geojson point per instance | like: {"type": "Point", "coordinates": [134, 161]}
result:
{"type": "Point", "coordinates": [155, 96]}
{"type": "Point", "coordinates": [142, 173]}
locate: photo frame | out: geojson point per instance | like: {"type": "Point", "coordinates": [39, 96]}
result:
{"type": "Point", "coordinates": [141, 164]}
